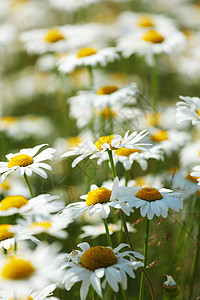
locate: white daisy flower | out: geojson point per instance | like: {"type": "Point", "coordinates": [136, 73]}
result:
{"type": "Point", "coordinates": [86, 57]}
{"type": "Point", "coordinates": [14, 185]}
{"type": "Point", "coordinates": [170, 140]}
{"type": "Point", "coordinates": [188, 110]}
{"type": "Point", "coordinates": [29, 270]}
{"type": "Point", "coordinates": [152, 41]}
{"type": "Point", "coordinates": [53, 225]}
{"type": "Point", "coordinates": [170, 286]}
{"type": "Point", "coordinates": [93, 231]}
{"type": "Point", "coordinates": [128, 156]}
{"type": "Point", "coordinates": [39, 294]}
{"type": "Point", "coordinates": [93, 263]}
{"type": "Point", "coordinates": [196, 174]}
{"type": "Point", "coordinates": [150, 200]}
{"type": "Point", "coordinates": [43, 204]}
{"type": "Point", "coordinates": [26, 161]}
{"type": "Point", "coordinates": [8, 236]}
{"type": "Point", "coordinates": [188, 160]}
{"type": "Point", "coordinates": [99, 200]}
{"type": "Point", "coordinates": [105, 143]}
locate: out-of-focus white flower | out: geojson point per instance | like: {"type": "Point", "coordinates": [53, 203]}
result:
{"type": "Point", "coordinates": [13, 186]}
{"type": "Point", "coordinates": [93, 263]}
{"type": "Point", "coordinates": [29, 270]}
{"type": "Point", "coordinates": [186, 159]}
{"type": "Point", "coordinates": [26, 162]}
{"type": "Point", "coordinates": [87, 57]}
{"type": "Point", "coordinates": [150, 200]}
{"type": "Point", "coordinates": [188, 110]}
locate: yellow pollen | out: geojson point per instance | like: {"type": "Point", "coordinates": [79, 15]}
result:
{"type": "Point", "coordinates": [86, 52]}
{"type": "Point", "coordinates": [17, 269]}
{"type": "Point", "coordinates": [21, 160]}
{"type": "Point", "coordinates": [100, 195]}
{"type": "Point", "coordinates": [107, 90]}
{"type": "Point", "coordinates": [27, 297]}
{"type": "Point", "coordinates": [53, 35]}
{"type": "Point", "coordinates": [126, 152]}
{"type": "Point", "coordinates": [140, 181]}
{"type": "Point", "coordinates": [98, 257]}
{"type": "Point", "coordinates": [74, 141]}
{"type": "Point", "coordinates": [4, 232]}
{"type": "Point", "coordinates": [5, 185]}
{"type": "Point", "coordinates": [191, 178]}
{"type": "Point", "coordinates": [104, 139]}
{"type": "Point", "coordinates": [7, 120]}
{"type": "Point", "coordinates": [44, 224]}
{"type": "Point", "coordinates": [145, 21]}
{"type": "Point", "coordinates": [106, 113]}
{"type": "Point", "coordinates": [153, 36]}
{"type": "Point", "coordinates": [159, 136]}
{"type": "Point", "coordinates": [13, 201]}
{"type": "Point", "coordinates": [149, 194]}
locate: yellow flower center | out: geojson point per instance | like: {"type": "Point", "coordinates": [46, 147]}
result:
{"type": "Point", "coordinates": [17, 269]}
{"type": "Point", "coordinates": [27, 297]}
{"type": "Point", "coordinates": [107, 90]}
{"type": "Point", "coordinates": [86, 52]}
{"type": "Point", "coordinates": [53, 35]}
{"type": "Point", "coordinates": [44, 224]}
{"type": "Point", "coordinates": [106, 113]}
{"type": "Point", "coordinates": [153, 36]}
{"type": "Point", "coordinates": [126, 152]}
{"type": "Point", "coordinates": [153, 119]}
{"type": "Point", "coordinates": [4, 232]}
{"type": "Point", "coordinates": [191, 178]}
{"type": "Point", "coordinates": [74, 141]}
{"type": "Point", "coordinates": [5, 185]}
{"type": "Point", "coordinates": [198, 112]}
{"type": "Point", "coordinates": [145, 21]}
{"type": "Point", "coordinates": [98, 257]}
{"type": "Point", "coordinates": [104, 139]}
{"type": "Point", "coordinates": [13, 201]}
{"type": "Point", "coordinates": [7, 120]}
{"type": "Point", "coordinates": [149, 194]}
{"type": "Point", "coordinates": [100, 195]}
{"type": "Point", "coordinates": [21, 160]}
{"type": "Point", "coordinates": [159, 136]}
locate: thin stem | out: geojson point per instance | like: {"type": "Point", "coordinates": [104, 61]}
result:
{"type": "Point", "coordinates": [5, 251]}
{"type": "Point", "coordinates": [194, 266]}
{"type": "Point", "coordinates": [107, 233]}
{"type": "Point", "coordinates": [145, 259]}
{"type": "Point", "coordinates": [28, 184]}
{"type": "Point", "coordinates": [91, 76]}
{"type": "Point", "coordinates": [123, 217]}
{"type": "Point", "coordinates": [127, 175]}
{"type": "Point", "coordinates": [155, 83]}
{"type": "Point", "coordinates": [124, 293]}
{"type": "Point", "coordinates": [112, 163]}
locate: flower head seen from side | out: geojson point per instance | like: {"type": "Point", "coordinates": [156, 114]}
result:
{"type": "Point", "coordinates": [170, 286]}
{"type": "Point", "coordinates": [93, 263]}
{"type": "Point", "coordinates": [195, 174]}
{"type": "Point", "coordinates": [86, 57]}
{"type": "Point", "coordinates": [99, 200]}
{"type": "Point", "coordinates": [27, 161]}
{"type": "Point", "coordinates": [105, 143]}
{"type": "Point", "coordinates": [150, 200]}
{"type": "Point", "coordinates": [188, 110]}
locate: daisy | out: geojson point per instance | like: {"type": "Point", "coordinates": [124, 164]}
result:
{"type": "Point", "coordinates": [188, 110]}
{"type": "Point", "coordinates": [87, 57]}
{"type": "Point", "coordinates": [152, 41]}
{"type": "Point", "coordinates": [170, 286]}
{"type": "Point", "coordinates": [98, 200]}
{"type": "Point", "coordinates": [105, 143]}
{"type": "Point", "coordinates": [29, 270]}
{"type": "Point", "coordinates": [43, 204]}
{"type": "Point", "coordinates": [13, 186]}
{"type": "Point", "coordinates": [93, 263]}
{"type": "Point", "coordinates": [39, 294]}
{"type": "Point", "coordinates": [53, 225]}
{"type": "Point", "coordinates": [26, 162]}
{"type": "Point", "coordinates": [9, 236]}
{"type": "Point", "coordinates": [196, 174]}
{"type": "Point", "coordinates": [150, 200]}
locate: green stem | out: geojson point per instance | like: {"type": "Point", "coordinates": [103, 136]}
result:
{"type": "Point", "coordinates": [154, 82]}
{"type": "Point", "coordinates": [28, 184]}
{"type": "Point", "coordinates": [127, 175]}
{"type": "Point", "coordinates": [112, 163]}
{"type": "Point", "coordinates": [194, 266]}
{"type": "Point", "coordinates": [91, 76]}
{"type": "Point", "coordinates": [5, 251]}
{"type": "Point", "coordinates": [123, 217]}
{"type": "Point", "coordinates": [145, 259]}
{"type": "Point", "coordinates": [124, 293]}
{"type": "Point", "coordinates": [107, 233]}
